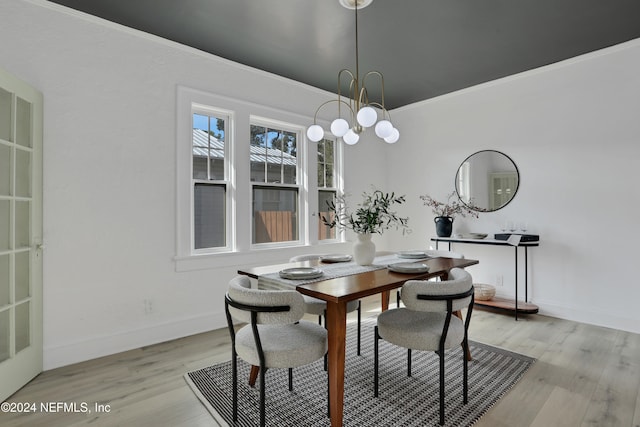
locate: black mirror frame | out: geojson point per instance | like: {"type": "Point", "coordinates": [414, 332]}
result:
{"type": "Point", "coordinates": [476, 208]}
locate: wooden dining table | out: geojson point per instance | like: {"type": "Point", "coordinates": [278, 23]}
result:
{"type": "Point", "coordinates": [337, 292]}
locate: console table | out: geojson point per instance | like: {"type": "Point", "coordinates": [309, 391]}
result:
{"type": "Point", "coordinates": [497, 302]}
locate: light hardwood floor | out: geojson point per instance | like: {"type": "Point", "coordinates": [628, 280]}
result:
{"type": "Point", "coordinates": [584, 376]}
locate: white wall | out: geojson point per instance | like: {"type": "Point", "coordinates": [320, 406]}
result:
{"type": "Point", "coordinates": [572, 129]}
{"type": "Point", "coordinates": [110, 177]}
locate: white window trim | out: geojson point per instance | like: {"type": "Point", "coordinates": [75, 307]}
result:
{"type": "Point", "coordinates": [188, 102]}
{"type": "Point", "coordinates": [228, 181]}
{"type": "Point", "coordinates": [242, 252]}
{"type": "Point", "coordinates": [301, 158]}
{"type": "Point", "coordinates": [339, 189]}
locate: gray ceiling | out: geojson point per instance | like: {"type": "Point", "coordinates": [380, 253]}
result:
{"type": "Point", "coordinates": [424, 48]}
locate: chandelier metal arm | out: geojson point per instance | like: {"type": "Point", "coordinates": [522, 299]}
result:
{"type": "Point", "coordinates": [315, 116]}
{"type": "Point", "coordinates": [363, 115]}
{"type": "Point", "coordinates": [379, 74]}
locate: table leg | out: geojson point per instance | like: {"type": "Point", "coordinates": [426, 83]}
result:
{"type": "Point", "coordinates": [384, 303]}
{"type": "Point", "coordinates": [337, 331]}
{"type": "Point", "coordinates": [253, 375]}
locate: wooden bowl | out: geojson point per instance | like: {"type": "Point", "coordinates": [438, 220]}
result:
{"type": "Point", "coordinates": [483, 292]}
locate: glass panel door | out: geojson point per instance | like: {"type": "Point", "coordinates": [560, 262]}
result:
{"type": "Point", "coordinates": [20, 234]}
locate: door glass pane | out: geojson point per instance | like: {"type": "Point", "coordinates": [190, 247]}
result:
{"type": "Point", "coordinates": [4, 280]}
{"type": "Point", "coordinates": [23, 173]}
{"type": "Point", "coordinates": [275, 214]}
{"type": "Point", "coordinates": [4, 334]}
{"type": "Point", "coordinates": [209, 216]}
{"type": "Point", "coordinates": [23, 123]}
{"type": "Point", "coordinates": [22, 275]}
{"type": "Point", "coordinates": [5, 170]}
{"type": "Point", "coordinates": [23, 224]}
{"type": "Point", "coordinates": [5, 223]}
{"type": "Point", "coordinates": [23, 330]}
{"type": "Point", "coordinates": [5, 115]}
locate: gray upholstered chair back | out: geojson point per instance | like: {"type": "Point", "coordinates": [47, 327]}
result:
{"type": "Point", "coordinates": [240, 291]}
{"type": "Point", "coordinates": [460, 281]}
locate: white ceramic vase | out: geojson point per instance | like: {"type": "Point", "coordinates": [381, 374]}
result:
{"type": "Point", "coordinates": [364, 250]}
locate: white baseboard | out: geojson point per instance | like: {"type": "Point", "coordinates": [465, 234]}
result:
{"type": "Point", "coordinates": [591, 317]}
{"type": "Point", "coordinates": [99, 346]}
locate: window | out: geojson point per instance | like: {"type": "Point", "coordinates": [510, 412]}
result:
{"type": "Point", "coordinates": [246, 180]}
{"type": "Point", "coordinates": [210, 179]}
{"type": "Point", "coordinates": [327, 187]}
{"type": "Point", "coordinates": [275, 193]}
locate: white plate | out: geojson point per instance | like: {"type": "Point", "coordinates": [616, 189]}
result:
{"type": "Point", "coordinates": [408, 267]}
{"type": "Point", "coordinates": [336, 258]}
{"type": "Point", "coordinates": [299, 273]}
{"type": "Point", "coordinates": [413, 254]}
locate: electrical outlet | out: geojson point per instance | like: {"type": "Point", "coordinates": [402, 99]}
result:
{"type": "Point", "coordinates": [499, 280]}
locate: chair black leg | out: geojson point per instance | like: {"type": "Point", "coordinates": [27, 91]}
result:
{"type": "Point", "coordinates": [359, 317]}
{"type": "Point", "coordinates": [398, 299]}
{"type": "Point", "coordinates": [262, 396]}
{"type": "Point", "coordinates": [442, 385]}
{"type": "Point", "coordinates": [290, 379]}
{"type": "Point", "coordinates": [375, 361]}
{"type": "Point", "coordinates": [465, 372]}
{"type": "Point", "coordinates": [408, 362]}
{"type": "Point", "coordinates": [234, 379]}
{"type": "Point", "coordinates": [325, 326]}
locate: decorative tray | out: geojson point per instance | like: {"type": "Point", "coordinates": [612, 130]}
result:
{"type": "Point", "coordinates": [413, 254]}
{"type": "Point", "coordinates": [330, 258]}
{"type": "Point", "coordinates": [408, 267]}
{"type": "Point", "coordinates": [300, 273]}
{"type": "Point", "coordinates": [477, 235]}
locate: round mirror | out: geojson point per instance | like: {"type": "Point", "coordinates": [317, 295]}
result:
{"type": "Point", "coordinates": [487, 181]}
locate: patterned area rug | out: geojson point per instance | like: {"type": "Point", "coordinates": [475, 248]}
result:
{"type": "Point", "coordinates": [402, 401]}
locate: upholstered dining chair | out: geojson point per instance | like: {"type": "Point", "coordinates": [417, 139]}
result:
{"type": "Point", "coordinates": [434, 253]}
{"type": "Point", "coordinates": [274, 337]}
{"type": "Point", "coordinates": [427, 323]}
{"type": "Point", "coordinates": [318, 307]}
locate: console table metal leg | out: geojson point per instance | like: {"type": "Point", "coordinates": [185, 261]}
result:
{"type": "Point", "coordinates": [516, 280]}
{"type": "Point", "coordinates": [526, 274]}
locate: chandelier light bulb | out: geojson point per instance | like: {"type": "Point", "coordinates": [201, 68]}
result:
{"type": "Point", "coordinates": [395, 135]}
{"type": "Point", "coordinates": [384, 129]}
{"type": "Point", "coordinates": [339, 127]}
{"type": "Point", "coordinates": [351, 137]}
{"type": "Point", "coordinates": [367, 116]}
{"type": "Point", "coordinates": [315, 133]}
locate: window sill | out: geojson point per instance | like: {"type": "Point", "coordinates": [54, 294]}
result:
{"type": "Point", "coordinates": [254, 257]}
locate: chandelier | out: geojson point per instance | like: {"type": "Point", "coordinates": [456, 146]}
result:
{"type": "Point", "coordinates": [358, 108]}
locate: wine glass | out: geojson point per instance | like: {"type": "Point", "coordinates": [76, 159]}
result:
{"type": "Point", "coordinates": [523, 227]}
{"type": "Point", "coordinates": [511, 226]}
